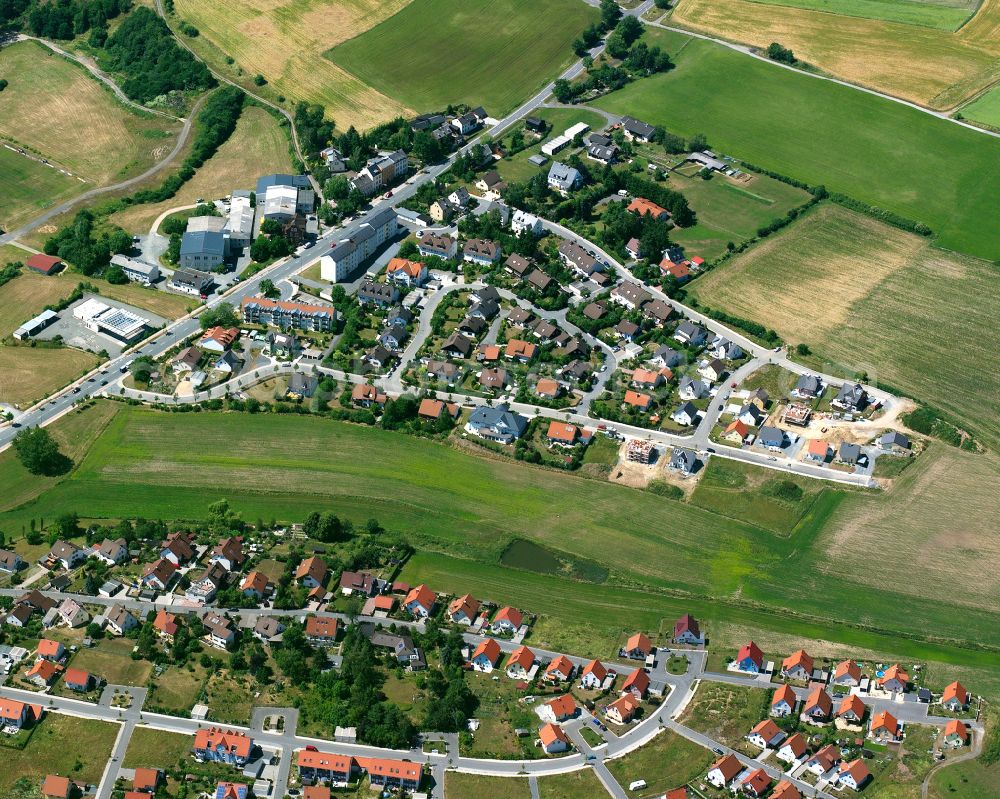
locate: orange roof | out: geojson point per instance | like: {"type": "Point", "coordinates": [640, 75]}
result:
{"type": "Point", "coordinates": [894, 673]}
{"type": "Point", "coordinates": [76, 677]}
{"type": "Point", "coordinates": [637, 680]}
{"type": "Point", "coordinates": [677, 270]}
{"type": "Point", "coordinates": [766, 729]}
{"type": "Point", "coordinates": [165, 622]}
{"type": "Point", "coordinates": [819, 698]}
{"type": "Point", "coordinates": [625, 705]}
{"type": "Point", "coordinates": [321, 627]}
{"type": "Point", "coordinates": [523, 657]}
{"type": "Point", "coordinates": [757, 780]}
{"type": "Point", "coordinates": [847, 667]}
{"type": "Point", "coordinates": [11, 709]}
{"type": "Point", "coordinates": [596, 668]}
{"type": "Point", "coordinates": [560, 665]}
{"type": "Point", "coordinates": [800, 658]}
{"type": "Point", "coordinates": [551, 733]}
{"type": "Point", "coordinates": [547, 386]}
{"type": "Point", "coordinates": [45, 669]}
{"type": "Point", "coordinates": [255, 580]}
{"type": "Point", "coordinates": [366, 392]}
{"type": "Point", "coordinates": [315, 792]}
{"type": "Point", "coordinates": [47, 648]}
{"type": "Point", "coordinates": [489, 648]}
{"type": "Point", "coordinates": [489, 352]}
{"type": "Point", "coordinates": [146, 779]}
{"type": "Point", "coordinates": [639, 641]}
{"type": "Point", "coordinates": [507, 613]}
{"type": "Point", "coordinates": [852, 703]}
{"type": "Point", "coordinates": [785, 790]}
{"type": "Point", "coordinates": [677, 793]}
{"type": "Point", "coordinates": [324, 760]}
{"type": "Point", "coordinates": [560, 431]}
{"type": "Point", "coordinates": [728, 765]}
{"type": "Point", "coordinates": [563, 706]}
{"type": "Point", "coordinates": [136, 795]}
{"type": "Point", "coordinates": [431, 408]}
{"type": "Point", "coordinates": [312, 567]}
{"type": "Point", "coordinates": [520, 349]}
{"type": "Point", "coordinates": [411, 268]}
{"type": "Point", "coordinates": [395, 769]}
{"type": "Point", "coordinates": [818, 447]}
{"type": "Point", "coordinates": [738, 427]}
{"type": "Point", "coordinates": [826, 756]}
{"type": "Point", "coordinates": [214, 737]}
{"type": "Point", "coordinates": [302, 307]}
{"type": "Point", "coordinates": [383, 602]}
{"type": "Point", "coordinates": [422, 595]}
{"type": "Point", "coordinates": [637, 399]}
{"type": "Point", "coordinates": [885, 720]}
{"type": "Point", "coordinates": [55, 786]}
{"type": "Point", "coordinates": [857, 769]}
{"type": "Point", "coordinates": [783, 693]}
{"type": "Point", "coordinates": [223, 335]}
{"type": "Point", "coordinates": [644, 207]}
{"type": "Point", "coordinates": [955, 691]}
{"type": "Point", "coordinates": [956, 727]}
{"type": "Point", "coordinates": [466, 604]}
{"type": "Point", "coordinates": [645, 376]}
{"type": "Point", "coordinates": [797, 744]}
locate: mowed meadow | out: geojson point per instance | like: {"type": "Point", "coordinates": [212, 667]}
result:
{"type": "Point", "coordinates": [874, 150]}
{"type": "Point", "coordinates": [461, 511]}
{"type": "Point", "coordinates": [496, 53]}
{"type": "Point", "coordinates": [868, 297]}
{"type": "Point", "coordinates": [921, 50]}
{"type": "Point", "coordinates": [284, 42]}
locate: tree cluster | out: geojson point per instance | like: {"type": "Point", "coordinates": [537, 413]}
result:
{"type": "Point", "coordinates": [778, 53]}
{"type": "Point", "coordinates": [80, 245]}
{"type": "Point", "coordinates": [67, 19]}
{"type": "Point", "coordinates": [39, 453]}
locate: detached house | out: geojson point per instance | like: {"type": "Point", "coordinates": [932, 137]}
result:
{"type": "Point", "coordinates": [766, 735]}
{"type": "Point", "coordinates": [67, 555]}
{"type": "Point", "coordinates": [165, 624]}
{"type": "Point", "coordinates": [851, 709]}
{"type": "Point", "coordinates": [622, 710]}
{"type": "Point", "coordinates": [956, 734]}
{"type": "Point", "coordinates": [419, 602]}
{"type": "Point", "coordinates": [51, 650]}
{"type": "Point", "coordinates": [507, 621]}
{"type": "Point", "coordinates": [560, 669]}
{"type": "Point", "coordinates": [724, 771]}
{"type": "Point", "coordinates": [496, 424]}
{"type": "Point", "coordinates": [847, 673]}
{"type": "Point", "coordinates": [463, 610]}
{"type": "Point", "coordinates": [178, 548]}
{"type": "Point", "coordinates": [205, 588]}
{"type": "Point", "coordinates": [119, 620]}
{"type": "Point", "coordinates": [783, 701]}
{"type": "Point", "coordinates": [223, 746]}
{"type": "Point", "coordinates": [884, 727]}
{"type": "Point", "coordinates": [686, 628]}
{"type": "Point", "coordinates": [312, 573]}
{"type": "Point", "coordinates": [229, 553]}
{"type": "Point", "coordinates": [798, 666]}
{"type": "Point", "coordinates": [688, 332]}
{"type": "Point", "coordinates": [792, 749]}
{"type": "Point", "coordinates": [558, 709]}
{"type": "Point", "coordinates": [18, 714]}
{"type": "Point", "coordinates": [637, 647]}
{"type": "Point", "coordinates": [854, 775]}
{"type": "Point", "coordinates": [322, 630]}
{"type": "Point", "coordinates": [406, 273]}
{"type": "Point", "coordinates": [750, 659]}
{"type": "Point", "coordinates": [43, 672]}
{"type": "Point", "coordinates": [10, 562]}
{"type": "Point", "coordinates": [755, 783]}
{"type": "Point", "coordinates": [553, 739]}
{"type": "Point", "coordinates": [520, 663]}
{"type": "Point", "coordinates": [894, 680]}
{"type": "Point", "coordinates": [486, 655]}
{"type": "Point", "coordinates": [955, 697]}
{"type": "Point", "coordinates": [593, 675]}
{"type": "Point", "coordinates": [818, 705]}
{"type": "Point", "coordinates": [255, 585]}
{"type": "Point", "coordinates": [824, 761]}
{"type": "Point", "coordinates": [112, 552]}
{"type": "Point", "coordinates": [636, 684]}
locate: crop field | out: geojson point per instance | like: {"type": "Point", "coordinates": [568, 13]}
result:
{"type": "Point", "coordinates": [985, 108]}
{"type": "Point", "coordinates": [66, 745]}
{"type": "Point", "coordinates": [866, 296]}
{"type": "Point", "coordinates": [30, 188]}
{"type": "Point", "coordinates": [946, 15]}
{"type": "Point", "coordinates": [677, 557]}
{"type": "Point", "coordinates": [665, 763]}
{"type": "Point", "coordinates": [917, 50]}
{"type": "Point", "coordinates": [436, 52]}
{"type": "Point", "coordinates": [730, 210]}
{"type": "Point", "coordinates": [258, 139]}
{"type": "Point", "coordinates": [56, 109]}
{"type": "Point", "coordinates": [284, 42]}
{"type": "Point", "coordinates": [874, 150]}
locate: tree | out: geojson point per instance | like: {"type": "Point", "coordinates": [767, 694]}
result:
{"type": "Point", "coordinates": [610, 14]}
{"type": "Point", "coordinates": [268, 289]}
{"type": "Point", "coordinates": [563, 91]}
{"type": "Point", "coordinates": [778, 53]}
{"type": "Point", "coordinates": [630, 29]}
{"type": "Point", "coordinates": [698, 142]}
{"type": "Point", "coordinates": [673, 144]}
{"type": "Point", "coordinates": [39, 453]}
{"type": "Point", "coordinates": [222, 315]}
{"type": "Point", "coordinates": [803, 350]}
{"type": "Point", "coordinates": [116, 275]}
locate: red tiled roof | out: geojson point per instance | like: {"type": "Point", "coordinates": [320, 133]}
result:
{"type": "Point", "coordinates": [847, 667]}
{"type": "Point", "coordinates": [955, 691]}
{"type": "Point", "coordinates": [797, 744]}
{"type": "Point", "coordinates": [728, 765]}
{"type": "Point", "coordinates": [42, 263]}
{"type": "Point", "coordinates": [321, 627]}
{"type": "Point", "coordinates": [639, 641]}
{"type": "Point", "coordinates": [77, 677]}
{"type": "Point", "coordinates": [638, 680]}
{"type": "Point", "coordinates": [752, 651]}
{"type": "Point", "coordinates": [800, 658]}
{"type": "Point", "coordinates": [466, 603]}
{"type": "Point", "coordinates": [146, 779]}
{"type": "Point", "coordinates": [560, 665]}
{"type": "Point", "coordinates": [885, 720]}
{"type": "Point", "coordinates": [757, 780]}
{"type": "Point", "coordinates": [507, 613]}
{"type": "Point", "coordinates": [489, 648]}
{"type": "Point", "coordinates": [643, 207]}
{"type": "Point", "coordinates": [523, 657]}
{"type": "Point", "coordinates": [55, 786]}
{"type": "Point", "coordinates": [894, 673]}
{"type": "Point", "coordinates": [422, 595]}
{"type": "Point", "coordinates": [324, 760]}
{"type": "Point", "coordinates": [785, 790]}
{"type": "Point", "coordinates": [255, 580]}
{"type": "Point", "coordinates": [562, 706]}
{"type": "Point", "coordinates": [312, 567]}
{"type": "Point", "coordinates": [853, 703]}
{"type": "Point", "coordinates": [213, 737]}
{"type": "Point", "coordinates": [956, 727]}
{"type": "Point", "coordinates": [551, 733]}
{"type": "Point", "coordinates": [165, 622]}
{"type": "Point", "coordinates": [395, 769]}
{"type": "Point", "coordinates": [411, 268]}
{"type": "Point", "coordinates": [637, 399]}
{"type": "Point", "coordinates": [596, 668]}
{"type": "Point", "coordinates": [783, 693]}
{"type": "Point", "coordinates": [47, 648]}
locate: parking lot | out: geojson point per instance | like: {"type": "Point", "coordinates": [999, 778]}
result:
{"type": "Point", "coordinates": [76, 334]}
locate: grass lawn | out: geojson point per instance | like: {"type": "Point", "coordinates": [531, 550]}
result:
{"type": "Point", "coordinates": [968, 780]}
{"type": "Point", "coordinates": [258, 139]}
{"type": "Point", "coordinates": [483, 787]}
{"type": "Point", "coordinates": [865, 296]}
{"type": "Point", "coordinates": [946, 16]}
{"type": "Point", "coordinates": [178, 688]}
{"type": "Point", "coordinates": [919, 57]}
{"type": "Point", "coordinates": [149, 748]}
{"type": "Point", "coordinates": [985, 108]}
{"type": "Point", "coordinates": [65, 745]}
{"type": "Point", "coordinates": [27, 374]}
{"type": "Point", "coordinates": [499, 714]}
{"type": "Point", "coordinates": [665, 763]}
{"type": "Point", "coordinates": [30, 188]}
{"type": "Point", "coordinates": [110, 660]}
{"type": "Point", "coordinates": [283, 42]}
{"type": "Point", "coordinates": [27, 294]}
{"type": "Point", "coordinates": [162, 303]}
{"type": "Point", "coordinates": [726, 712]}
{"type": "Point", "coordinates": [872, 149]}
{"type": "Point", "coordinates": [571, 786]}
{"type": "Point", "coordinates": [497, 54]}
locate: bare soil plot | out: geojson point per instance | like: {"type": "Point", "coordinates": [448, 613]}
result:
{"type": "Point", "coordinates": [935, 67]}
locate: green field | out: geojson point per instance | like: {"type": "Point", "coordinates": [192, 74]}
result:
{"type": "Point", "coordinates": [149, 748]}
{"type": "Point", "coordinates": [663, 557]}
{"type": "Point", "coordinates": [946, 16]}
{"type": "Point", "coordinates": [968, 780]}
{"type": "Point", "coordinates": [434, 53]}
{"type": "Point", "coordinates": [867, 297]}
{"type": "Point", "coordinates": [875, 150]}
{"type": "Point", "coordinates": [985, 108]}
{"type": "Point", "coordinates": [665, 763]}
{"type": "Point", "coordinates": [30, 188]}
{"type": "Point", "coordinates": [483, 787]}
{"type": "Point", "coordinates": [575, 784]}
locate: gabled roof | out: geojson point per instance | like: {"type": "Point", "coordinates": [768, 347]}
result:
{"type": "Point", "coordinates": [728, 766]}
{"type": "Point", "coordinates": [852, 703]}
{"type": "Point", "coordinates": [509, 614]}
{"type": "Point", "coordinates": [955, 691]}
{"type": "Point", "coordinates": [956, 727]}
{"type": "Point", "coordinates": [785, 790]}
{"type": "Point", "coordinates": [796, 743]}
{"type": "Point", "coordinates": [640, 642]}
{"type": "Point", "coordinates": [783, 694]}
{"type": "Point", "coordinates": [625, 705]}
{"type": "Point", "coordinates": [752, 651]}
{"type": "Point", "coordinates": [894, 672]}
{"type": "Point", "coordinates": [563, 706]}
{"type": "Point", "coordinates": [550, 733]}
{"type": "Point", "coordinates": [47, 648]}
{"type": "Point", "coordinates": [466, 604]}
{"type": "Point", "coordinates": [422, 595]}
{"type": "Point", "coordinates": [756, 780]}
{"type": "Point", "coordinates": [523, 657]}
{"type": "Point", "coordinates": [236, 743]}
{"type": "Point", "coordinates": [847, 667]}
{"type": "Point", "coordinates": [313, 567]}
{"type": "Point", "coordinates": [77, 677]}
{"type": "Point", "coordinates": [321, 627]}
{"type": "Point", "coordinates": [596, 668]}
{"type": "Point", "coordinates": [797, 659]}
{"type": "Point", "coordinates": [256, 581]}
{"type": "Point", "coordinates": [488, 648]}
{"type": "Point", "coordinates": [827, 757]}
{"type": "Point", "coordinates": [819, 699]}
{"type": "Point", "coordinates": [857, 769]}
{"type": "Point", "coordinates": [45, 669]}
{"type": "Point", "coordinates": [637, 680]}
{"type": "Point", "coordinates": [766, 729]}
{"type": "Point", "coordinates": [560, 665]}
{"type": "Point", "coordinates": [165, 622]}
{"type": "Point", "coordinates": [55, 786]}
{"type": "Point", "coordinates": [885, 720]}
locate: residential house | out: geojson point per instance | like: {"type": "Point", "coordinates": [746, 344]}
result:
{"type": "Point", "coordinates": [398, 316]}
{"type": "Point", "coordinates": [523, 222]}
{"type": "Point", "coordinates": [419, 602]}
{"type": "Point", "coordinates": [636, 684]}
{"type": "Point", "coordinates": [301, 386]}
{"type": "Point", "coordinates": [772, 438]}
{"type": "Point", "coordinates": [485, 310]}
{"type": "Point", "coordinates": [766, 735]}
{"type": "Point", "coordinates": [578, 259]}
{"type": "Point", "coordinates": [11, 562]}
{"type": "Point", "coordinates": [490, 184]}
{"type": "Point", "coordinates": [432, 409]}
{"type": "Point", "coordinates": [521, 351]}
{"type": "Point", "coordinates": [593, 675]}
{"type": "Point", "coordinates": [496, 424]}
{"type": "Point", "coordinates": [147, 780]}
{"type": "Point", "coordinates": [229, 553]}
{"type": "Point", "coordinates": [365, 395]}
{"type": "Point", "coordinates": [119, 620]}
{"type": "Point", "coordinates": [602, 153]}
{"type": "Point", "coordinates": [188, 281]}
{"type": "Point", "coordinates": [689, 333]}
{"type": "Point", "coordinates": [678, 271]}
{"type": "Point", "coordinates": [725, 349]}
{"type": "Point", "coordinates": [51, 650]}
{"type": "Point", "coordinates": [112, 552]}
{"type": "Point", "coordinates": [854, 775]}
{"type": "Point", "coordinates": [792, 749]}
{"type": "Point", "coordinates": [785, 790]}
{"type": "Point", "coordinates": [558, 709]}
{"type": "Point", "coordinates": [686, 414]}
{"type": "Point", "coordinates": [817, 450]}
{"type": "Point", "coordinates": [457, 346]}
{"type": "Point", "coordinates": [218, 339]}
{"type": "Point", "coordinates": [627, 330]}
{"type": "Point", "coordinates": [67, 555]}
{"type": "Point", "coordinates": [507, 621]}
{"type": "Point", "coordinates": [783, 701]}
{"type": "Point", "coordinates": [56, 787]}
{"type": "Point", "coordinates": [712, 370]}
{"type": "Point", "coordinates": [636, 130]}
{"type": "Point", "coordinates": [381, 295]}
{"type": "Point", "coordinates": [520, 663]}
{"type": "Point", "coordinates": [824, 761]}
{"type": "Point", "coordinates": [851, 397]}
{"type": "Point", "coordinates": [622, 710]}
{"type": "Point", "coordinates": [658, 311]}
{"type": "Point", "coordinates": [643, 207]}
{"type": "Point", "coordinates": [78, 680]}
{"type": "Point", "coordinates": [818, 705]}
{"type": "Point", "coordinates": [646, 378]}
{"type": "Point", "coordinates": [638, 400]}
{"type": "Point", "coordinates": [562, 433]}
{"type": "Point", "coordinates": [750, 659]}
{"type": "Point", "coordinates": [633, 249]}
{"type": "Point", "coordinates": [756, 783]}
{"type": "Point", "coordinates": [165, 624]}
{"type": "Point", "coordinates": [463, 609]}
{"type": "Point", "coordinates": [637, 647]}
{"type": "Point", "coordinates": [891, 441]}
{"type": "Point", "coordinates": [518, 265]}
{"type": "Point", "coordinates": [563, 178]}
{"type": "Point", "coordinates": [955, 698]}
{"type": "Point", "coordinates": [312, 572]}
{"type": "Point", "coordinates": [956, 734]}
{"type": "Point", "coordinates": [686, 628]}
{"type": "Point", "coordinates": [267, 629]}
{"type": "Point", "coordinates": [72, 613]}
{"type": "Point", "coordinates": [222, 746]}
{"type": "Point", "coordinates": [394, 338]}
{"type": "Point", "coordinates": [18, 714]}
{"type": "Point", "coordinates": [808, 387]}
{"type": "Point", "coordinates": [797, 666]}
{"type": "Point", "coordinates": [751, 415]}
{"type": "Point", "coordinates": [723, 771]}
{"type": "Point", "coordinates": [178, 548]}
{"type": "Point", "coordinates": [322, 630]}
{"type": "Point", "coordinates": [547, 388]}
{"type": "Point", "coordinates": [317, 766]}
{"type": "Point", "coordinates": [665, 357]}
{"type": "Point", "coordinates": [847, 673]}
{"type": "Point", "coordinates": [205, 588]}
{"type": "Point", "coordinates": [884, 727]}
{"type": "Point", "coordinates": [406, 273]}
{"type": "Point", "coordinates": [43, 672]}
{"type": "Point", "coordinates": [255, 585]}
{"type": "Point", "coordinates": [851, 709]}
{"type": "Point", "coordinates": [481, 251]}
{"type": "Point", "coordinates": [690, 389]}
{"type": "Point", "coordinates": [560, 669]}
{"type": "Point", "coordinates": [486, 655]}
{"type": "Point", "coordinates": [577, 370]}
{"type": "Point", "coordinates": [494, 379]}
{"type": "Point", "coordinates": [630, 295]}
{"type": "Point", "coordinates": [553, 739]}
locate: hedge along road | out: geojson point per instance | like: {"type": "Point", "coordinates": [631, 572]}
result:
{"type": "Point", "coordinates": [182, 137]}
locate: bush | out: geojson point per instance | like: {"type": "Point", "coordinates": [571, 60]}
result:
{"type": "Point", "coordinates": [785, 490]}
{"type": "Point", "coordinates": [778, 53]}
{"type": "Point", "coordinates": [259, 79]}
{"type": "Point", "coordinates": [665, 489]}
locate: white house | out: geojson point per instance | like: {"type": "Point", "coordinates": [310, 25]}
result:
{"type": "Point", "coordinates": [523, 222]}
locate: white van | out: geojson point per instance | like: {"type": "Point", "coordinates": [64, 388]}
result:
{"type": "Point", "coordinates": [637, 785]}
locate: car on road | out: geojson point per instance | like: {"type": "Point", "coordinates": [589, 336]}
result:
{"type": "Point", "coordinates": [710, 449]}
{"type": "Point", "coordinates": [76, 389]}
{"type": "Point", "coordinates": [720, 407]}
{"type": "Point", "coordinates": [15, 424]}
{"type": "Point", "coordinates": [104, 382]}
{"type": "Point", "coordinates": [718, 750]}
{"type": "Point", "coordinates": [623, 192]}
{"type": "Point", "coordinates": [311, 748]}
{"type": "Point", "coordinates": [591, 757]}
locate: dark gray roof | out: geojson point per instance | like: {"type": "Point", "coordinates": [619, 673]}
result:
{"type": "Point", "coordinates": [768, 433]}
{"type": "Point", "coordinates": [298, 181]}
{"type": "Point", "coordinates": [203, 242]}
{"type": "Point", "coordinates": [500, 419]}
{"type": "Point", "coordinates": [683, 459]}
{"type": "Point", "coordinates": [894, 439]}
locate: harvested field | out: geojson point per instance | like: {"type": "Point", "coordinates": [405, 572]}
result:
{"type": "Point", "coordinates": [928, 65]}
{"type": "Point", "coordinates": [946, 15]}
{"type": "Point", "coordinates": [27, 373]}
{"type": "Point", "coordinates": [259, 140]}
{"type": "Point", "coordinates": [865, 296]}
{"type": "Point", "coordinates": [284, 42]}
